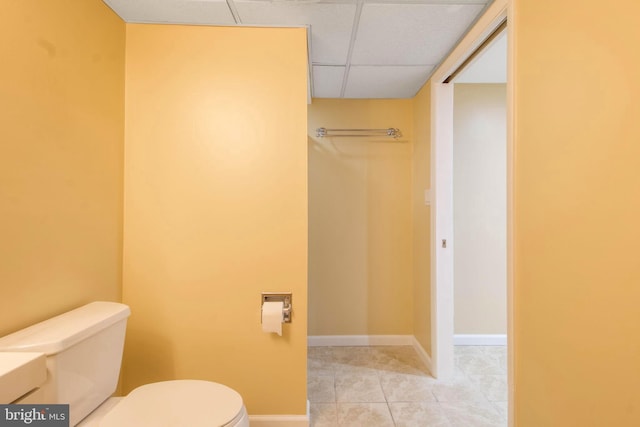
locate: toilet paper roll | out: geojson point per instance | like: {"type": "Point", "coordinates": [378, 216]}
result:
{"type": "Point", "coordinates": [272, 317]}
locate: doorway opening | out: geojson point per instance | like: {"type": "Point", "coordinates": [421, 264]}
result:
{"type": "Point", "coordinates": [479, 198]}
{"type": "Point", "coordinates": [443, 291]}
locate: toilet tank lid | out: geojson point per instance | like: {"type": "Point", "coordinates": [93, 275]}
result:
{"type": "Point", "coordinates": [61, 332]}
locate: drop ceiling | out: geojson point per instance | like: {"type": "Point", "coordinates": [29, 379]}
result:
{"type": "Point", "coordinates": [358, 48]}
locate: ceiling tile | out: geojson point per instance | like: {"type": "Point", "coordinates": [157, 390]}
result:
{"type": "Point", "coordinates": [327, 81]}
{"type": "Point", "coordinates": [331, 24]}
{"type": "Point", "coordinates": [396, 46]}
{"type": "Point", "coordinates": [385, 81]}
{"type": "Point", "coordinates": [212, 12]}
{"type": "Point", "coordinates": [416, 34]}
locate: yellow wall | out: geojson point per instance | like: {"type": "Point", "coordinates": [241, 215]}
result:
{"type": "Point", "coordinates": [360, 275]}
{"type": "Point", "coordinates": [421, 217]}
{"type": "Point", "coordinates": [216, 208]}
{"type": "Point", "coordinates": [61, 142]}
{"type": "Point", "coordinates": [577, 211]}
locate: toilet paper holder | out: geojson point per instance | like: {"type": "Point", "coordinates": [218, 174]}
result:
{"type": "Point", "coordinates": [286, 299]}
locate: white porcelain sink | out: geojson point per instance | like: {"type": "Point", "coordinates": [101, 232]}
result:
{"type": "Point", "coordinates": [20, 373]}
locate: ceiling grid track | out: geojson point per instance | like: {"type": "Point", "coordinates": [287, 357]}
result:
{"type": "Point", "coordinates": [309, 65]}
{"type": "Point", "coordinates": [354, 32]}
{"type": "Point", "coordinates": [234, 12]}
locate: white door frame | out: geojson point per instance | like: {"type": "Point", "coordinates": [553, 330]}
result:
{"type": "Point", "coordinates": [442, 193]}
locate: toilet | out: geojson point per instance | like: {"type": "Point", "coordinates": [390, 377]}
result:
{"type": "Point", "coordinates": [83, 349]}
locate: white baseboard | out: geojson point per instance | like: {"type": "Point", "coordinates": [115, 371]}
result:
{"type": "Point", "coordinates": [358, 340]}
{"type": "Point", "coordinates": [480, 339]}
{"type": "Point", "coordinates": [279, 420]}
{"type": "Point", "coordinates": [422, 353]}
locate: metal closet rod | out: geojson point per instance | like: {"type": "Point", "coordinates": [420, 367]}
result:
{"type": "Point", "coordinates": [391, 132]}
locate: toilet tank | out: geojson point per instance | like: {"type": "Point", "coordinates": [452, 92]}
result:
{"type": "Point", "coordinates": [83, 349]}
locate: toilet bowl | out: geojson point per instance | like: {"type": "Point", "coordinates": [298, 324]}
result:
{"type": "Point", "coordinates": [83, 350]}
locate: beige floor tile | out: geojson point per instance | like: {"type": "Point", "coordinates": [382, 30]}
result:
{"type": "Point", "coordinates": [407, 388]}
{"type": "Point", "coordinates": [321, 389]}
{"type": "Point", "coordinates": [363, 379]}
{"type": "Point", "coordinates": [342, 368]}
{"type": "Point", "coordinates": [319, 367]}
{"type": "Point", "coordinates": [457, 391]}
{"type": "Point", "coordinates": [323, 414]}
{"type": "Point", "coordinates": [479, 364]}
{"type": "Point", "coordinates": [495, 349]}
{"type": "Point", "coordinates": [364, 415]}
{"type": "Point", "coordinates": [400, 367]}
{"type": "Point", "coordinates": [503, 359]}
{"type": "Point", "coordinates": [459, 350]}
{"type": "Point", "coordinates": [418, 414]}
{"type": "Point", "coordinates": [473, 414]}
{"type": "Point", "coordinates": [320, 353]}
{"type": "Point", "coordinates": [350, 354]}
{"type": "Point", "coordinates": [359, 388]}
{"type": "Point", "coordinates": [503, 409]}
{"type": "Point", "coordinates": [353, 360]}
{"type": "Point", "coordinates": [500, 353]}
{"type": "Point", "coordinates": [400, 359]}
{"type": "Point", "coordinates": [494, 387]}
{"type": "Point", "coordinates": [396, 352]}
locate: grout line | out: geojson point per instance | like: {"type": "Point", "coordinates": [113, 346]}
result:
{"type": "Point", "coordinates": [393, 420]}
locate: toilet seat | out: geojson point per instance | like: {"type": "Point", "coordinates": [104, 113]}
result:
{"type": "Point", "coordinates": [180, 403]}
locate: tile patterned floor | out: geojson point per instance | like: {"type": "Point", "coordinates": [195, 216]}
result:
{"type": "Point", "coordinates": [390, 386]}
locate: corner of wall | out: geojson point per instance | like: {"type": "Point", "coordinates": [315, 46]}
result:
{"type": "Point", "coordinates": [421, 217]}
